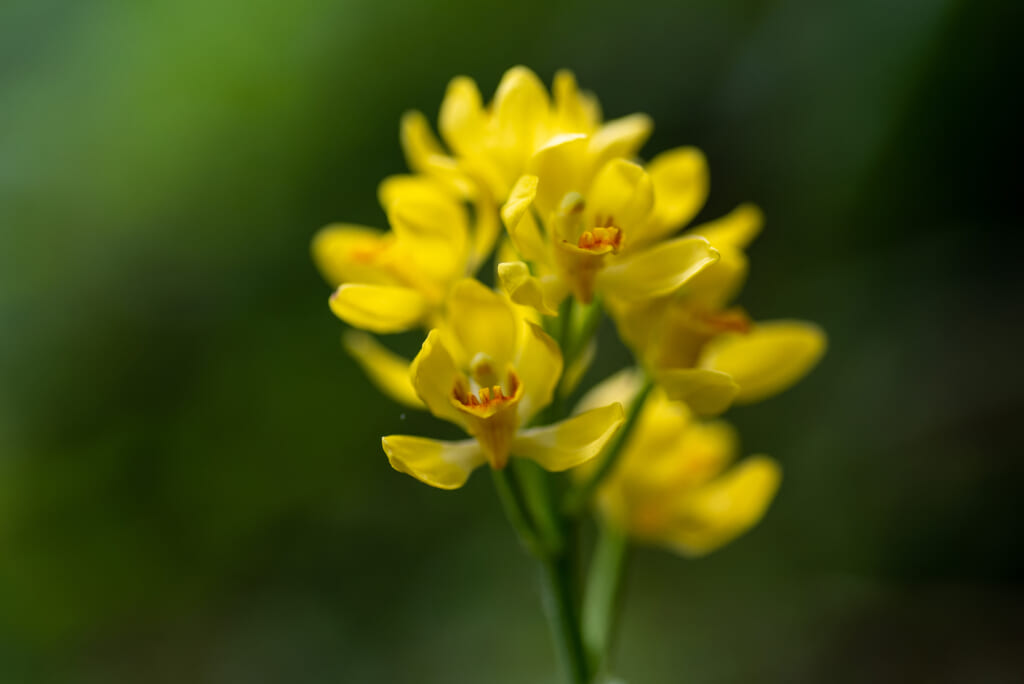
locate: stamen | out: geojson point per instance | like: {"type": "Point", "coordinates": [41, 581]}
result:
{"type": "Point", "coordinates": [601, 237]}
{"type": "Point", "coordinates": [488, 396]}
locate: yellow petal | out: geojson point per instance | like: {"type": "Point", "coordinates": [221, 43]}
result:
{"type": "Point", "coordinates": [486, 230]}
{"type": "Point", "coordinates": [768, 360]}
{"type": "Point", "coordinates": [571, 442]}
{"type": "Point", "coordinates": [434, 377]}
{"type": "Point", "coordinates": [620, 387]}
{"type": "Point", "coordinates": [707, 392]}
{"type": "Point", "coordinates": [429, 216]}
{"type": "Point", "coordinates": [518, 219]}
{"type": "Point", "coordinates": [379, 308]}
{"type": "Point", "coordinates": [462, 116]}
{"type": "Point", "coordinates": [446, 465]}
{"type": "Point", "coordinates": [715, 286]}
{"type": "Point", "coordinates": [521, 109]}
{"type": "Point", "coordinates": [671, 453]}
{"type": "Point", "coordinates": [680, 179]}
{"type": "Point", "coordinates": [483, 322]}
{"type": "Point", "coordinates": [574, 113]}
{"type": "Point", "coordinates": [652, 445]}
{"type": "Point", "coordinates": [560, 167]}
{"type": "Point", "coordinates": [424, 154]}
{"type": "Point", "coordinates": [418, 141]}
{"type": "Point", "coordinates": [621, 138]}
{"type": "Point", "coordinates": [346, 253]}
{"type": "Point", "coordinates": [405, 186]}
{"type": "Point", "coordinates": [388, 371]}
{"type": "Point", "coordinates": [718, 512]}
{"type": "Point", "coordinates": [738, 228]}
{"type": "Point", "coordinates": [433, 233]}
{"type": "Point", "coordinates": [656, 271]}
{"type": "Point", "coordinates": [621, 194]}
{"type": "Point", "coordinates": [543, 294]}
{"type": "Point", "coordinates": [539, 367]}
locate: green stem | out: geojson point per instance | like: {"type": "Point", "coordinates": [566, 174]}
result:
{"type": "Point", "coordinates": [512, 502]}
{"type": "Point", "coordinates": [535, 487]}
{"type": "Point", "coordinates": [563, 617]}
{"type": "Point", "coordinates": [590, 317]}
{"type": "Point", "coordinates": [577, 499]}
{"type": "Point", "coordinates": [601, 601]}
{"type": "Point", "coordinates": [565, 312]}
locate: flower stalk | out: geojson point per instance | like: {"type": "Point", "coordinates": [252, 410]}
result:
{"type": "Point", "coordinates": [603, 593]}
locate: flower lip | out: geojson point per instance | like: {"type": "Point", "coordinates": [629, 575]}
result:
{"type": "Point", "coordinates": [488, 400]}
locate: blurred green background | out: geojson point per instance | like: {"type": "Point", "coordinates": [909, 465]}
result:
{"type": "Point", "coordinates": [191, 482]}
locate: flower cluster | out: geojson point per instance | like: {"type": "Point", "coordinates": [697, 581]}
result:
{"type": "Point", "coordinates": [589, 229]}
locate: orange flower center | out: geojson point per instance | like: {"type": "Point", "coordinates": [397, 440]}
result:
{"type": "Point", "coordinates": [487, 397]}
{"type": "Point", "coordinates": [601, 237]}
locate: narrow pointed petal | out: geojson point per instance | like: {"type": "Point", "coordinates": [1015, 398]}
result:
{"type": "Point", "coordinates": [483, 321]}
{"type": "Point", "coordinates": [621, 193]}
{"type": "Point", "coordinates": [680, 179]}
{"type": "Point", "coordinates": [539, 367]}
{"type": "Point", "coordinates": [721, 510]}
{"type": "Point", "coordinates": [434, 376]}
{"type": "Point", "coordinates": [571, 442]}
{"type": "Point", "coordinates": [574, 113]}
{"type": "Point", "coordinates": [379, 308]}
{"type": "Point", "coordinates": [418, 141]}
{"type": "Point", "coordinates": [543, 294]}
{"type": "Point", "coordinates": [424, 154]}
{"type": "Point", "coordinates": [462, 116]}
{"type": "Point", "coordinates": [707, 392]}
{"type": "Point", "coordinates": [737, 229]}
{"type": "Point", "coordinates": [388, 371]}
{"type": "Point", "coordinates": [445, 465]}
{"type": "Point", "coordinates": [656, 271]}
{"type": "Point", "coordinates": [768, 360]}
{"type": "Point", "coordinates": [521, 108]}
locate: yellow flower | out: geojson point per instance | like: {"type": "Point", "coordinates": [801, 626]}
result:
{"type": "Point", "coordinates": [706, 353]}
{"type": "Point", "coordinates": [490, 372]}
{"type": "Point", "coordinates": [397, 280]}
{"type": "Point", "coordinates": [603, 232]}
{"type": "Point", "coordinates": [491, 146]}
{"type": "Point", "coordinates": [392, 281]}
{"type": "Point", "coordinates": [674, 484]}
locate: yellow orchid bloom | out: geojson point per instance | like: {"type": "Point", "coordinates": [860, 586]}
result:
{"type": "Point", "coordinates": [706, 353]}
{"type": "Point", "coordinates": [603, 232]}
{"type": "Point", "coordinates": [490, 146]}
{"type": "Point", "coordinates": [490, 372]}
{"type": "Point", "coordinates": [397, 280]}
{"type": "Point", "coordinates": [393, 281]}
{"type": "Point", "coordinates": [674, 484]}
